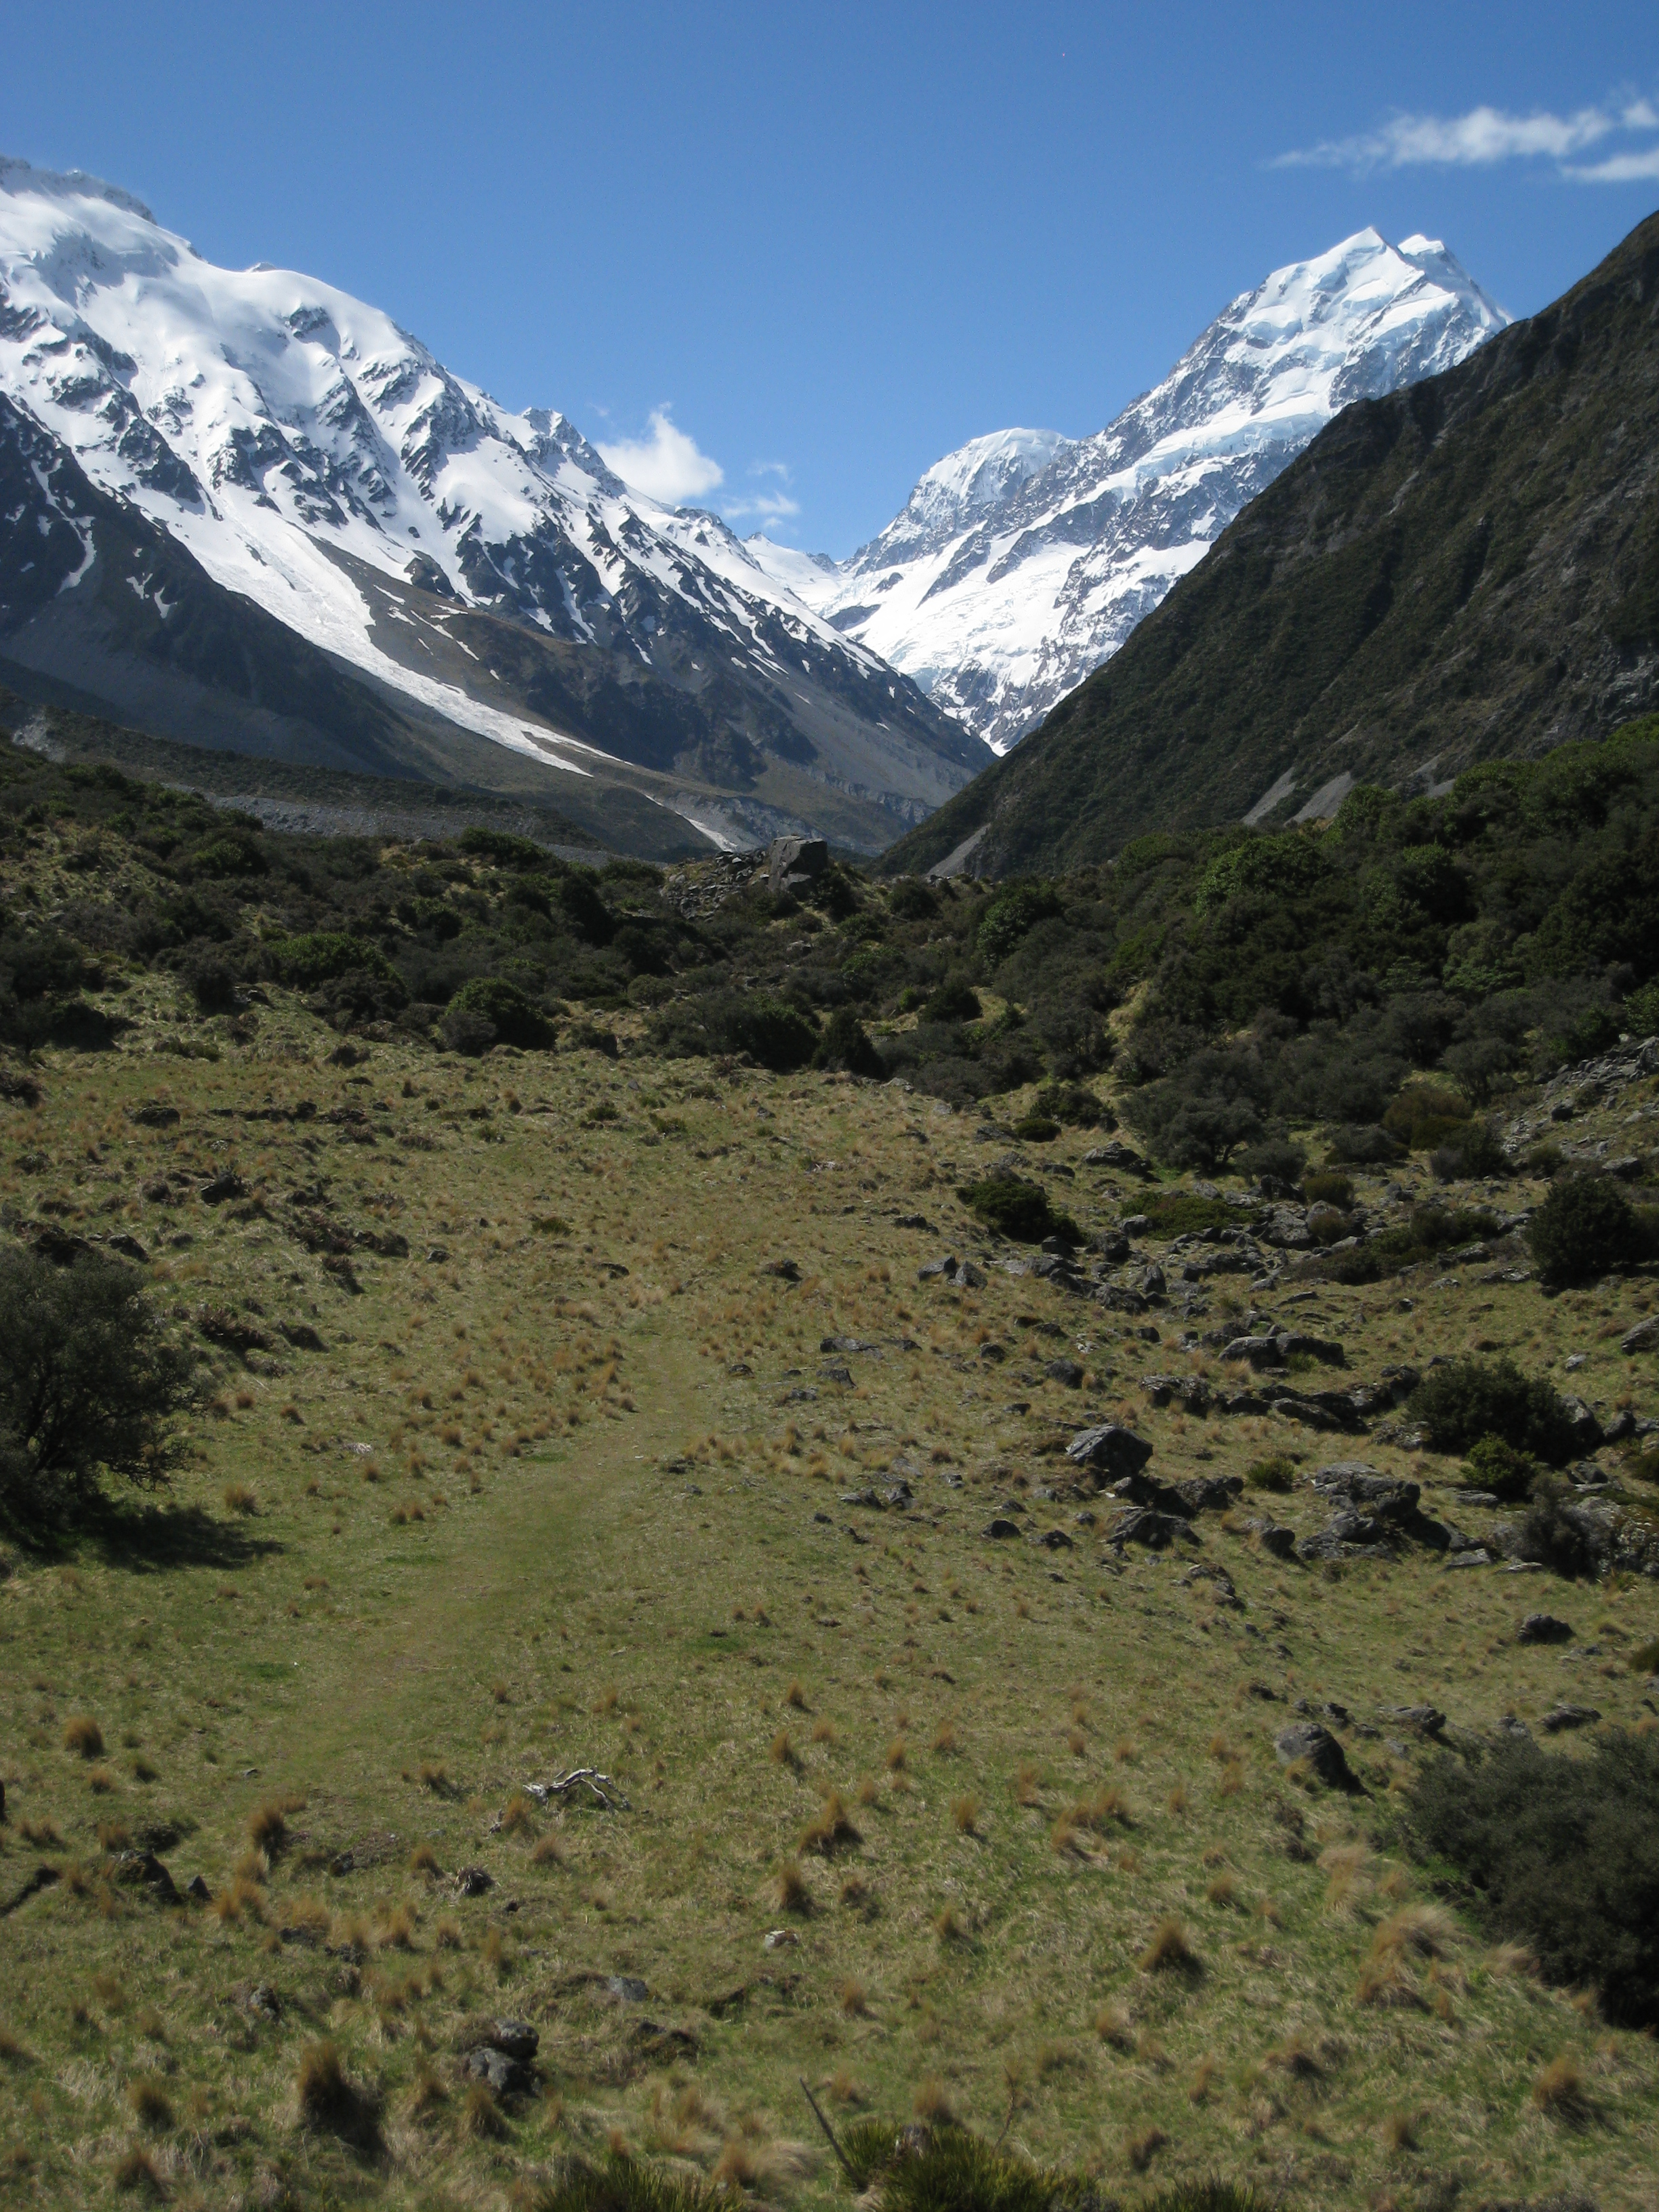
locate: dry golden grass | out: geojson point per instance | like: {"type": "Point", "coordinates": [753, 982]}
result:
{"type": "Point", "coordinates": [1142, 2145]}
{"type": "Point", "coordinates": [790, 1890]}
{"type": "Point", "coordinates": [1026, 1785]}
{"type": "Point", "coordinates": [1113, 2024]}
{"type": "Point", "coordinates": [1560, 2090]}
{"type": "Point", "coordinates": [84, 1736]}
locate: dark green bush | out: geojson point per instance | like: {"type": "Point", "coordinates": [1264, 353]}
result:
{"type": "Point", "coordinates": [770, 1029]}
{"type": "Point", "coordinates": [1019, 1209]}
{"type": "Point", "coordinates": [1009, 917]}
{"type": "Point", "coordinates": [1495, 1465]}
{"type": "Point", "coordinates": [1473, 1150]}
{"type": "Point", "coordinates": [912, 899]}
{"type": "Point", "coordinates": [1595, 1031]}
{"type": "Point", "coordinates": [515, 1018]}
{"type": "Point", "coordinates": [1358, 1146]}
{"type": "Point", "coordinates": [1464, 1402]}
{"type": "Point", "coordinates": [1074, 1105]}
{"type": "Point", "coordinates": [1556, 1532]}
{"type": "Point", "coordinates": [322, 956]}
{"type": "Point", "coordinates": [1183, 1213]}
{"type": "Point", "coordinates": [1585, 1225]}
{"type": "Point", "coordinates": [1431, 1229]}
{"type": "Point", "coordinates": [956, 1000]}
{"type": "Point", "coordinates": [845, 1043]}
{"type": "Point", "coordinates": [1035, 1129]}
{"type": "Point", "coordinates": [1326, 1189]}
{"type": "Point", "coordinates": [90, 1384]}
{"type": "Point", "coordinates": [586, 913]}
{"type": "Point", "coordinates": [504, 848]}
{"type": "Point", "coordinates": [1425, 1115]}
{"type": "Point", "coordinates": [1563, 1854]}
{"type": "Point", "coordinates": [1273, 1156]}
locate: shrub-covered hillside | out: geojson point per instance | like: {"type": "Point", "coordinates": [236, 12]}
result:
{"type": "Point", "coordinates": [1239, 980]}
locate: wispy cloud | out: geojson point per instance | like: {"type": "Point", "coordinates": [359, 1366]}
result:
{"type": "Point", "coordinates": [667, 465]}
{"type": "Point", "coordinates": [764, 506]}
{"type": "Point", "coordinates": [1487, 136]}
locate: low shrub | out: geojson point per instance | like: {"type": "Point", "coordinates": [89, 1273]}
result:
{"type": "Point", "coordinates": [1556, 1532]}
{"type": "Point", "coordinates": [1278, 1475]}
{"type": "Point", "coordinates": [512, 1018]}
{"type": "Point", "coordinates": [1425, 1115]}
{"type": "Point", "coordinates": [1275, 1156]}
{"type": "Point", "coordinates": [1474, 1150]}
{"type": "Point", "coordinates": [1494, 1466]}
{"type": "Point", "coordinates": [1328, 1188]}
{"type": "Point", "coordinates": [1183, 1214]}
{"type": "Point", "coordinates": [322, 956]}
{"type": "Point", "coordinates": [1585, 1225]}
{"type": "Point", "coordinates": [1431, 1230]}
{"type": "Point", "coordinates": [845, 1044]}
{"type": "Point", "coordinates": [1360, 1145]}
{"type": "Point", "coordinates": [1019, 1209]}
{"type": "Point", "coordinates": [1562, 1855]}
{"type": "Point", "coordinates": [1074, 1105]}
{"type": "Point", "coordinates": [1035, 1129]}
{"type": "Point", "coordinates": [1464, 1402]}
{"type": "Point", "coordinates": [954, 1001]}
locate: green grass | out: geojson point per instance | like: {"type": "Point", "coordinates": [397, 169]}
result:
{"type": "Point", "coordinates": [600, 1489]}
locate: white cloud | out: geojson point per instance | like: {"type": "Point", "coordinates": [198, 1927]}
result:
{"type": "Point", "coordinates": [1487, 136]}
{"type": "Point", "coordinates": [666, 465]}
{"type": "Point", "coordinates": [1619, 169]}
{"type": "Point", "coordinates": [768, 507]}
{"type": "Point", "coordinates": [765, 505]}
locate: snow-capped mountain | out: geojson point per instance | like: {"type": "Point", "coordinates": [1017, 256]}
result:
{"type": "Point", "coordinates": [458, 567]}
{"type": "Point", "coordinates": [1023, 560]}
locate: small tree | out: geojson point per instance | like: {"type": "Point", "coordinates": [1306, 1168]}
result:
{"type": "Point", "coordinates": [89, 1383]}
{"type": "Point", "coordinates": [1585, 1226]}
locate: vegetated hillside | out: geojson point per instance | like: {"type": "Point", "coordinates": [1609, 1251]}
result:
{"type": "Point", "coordinates": [555, 1411]}
{"type": "Point", "coordinates": [1465, 570]}
{"type": "Point", "coordinates": [1235, 980]}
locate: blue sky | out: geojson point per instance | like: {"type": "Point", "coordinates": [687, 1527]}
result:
{"type": "Point", "coordinates": [796, 254]}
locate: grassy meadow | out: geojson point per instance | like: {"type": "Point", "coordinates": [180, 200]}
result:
{"type": "Point", "coordinates": [933, 1821]}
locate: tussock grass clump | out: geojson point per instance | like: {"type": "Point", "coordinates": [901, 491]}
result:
{"type": "Point", "coordinates": [329, 2102]}
{"type": "Point", "coordinates": [790, 1891]}
{"type": "Point", "coordinates": [135, 2175]}
{"type": "Point", "coordinates": [1170, 1950]}
{"type": "Point", "coordinates": [1561, 2091]}
{"type": "Point", "coordinates": [149, 2104]}
{"type": "Point", "coordinates": [622, 2184]}
{"type": "Point", "coordinates": [84, 1736]}
{"type": "Point", "coordinates": [481, 2116]}
{"type": "Point", "coordinates": [964, 1814]}
{"type": "Point", "coordinates": [831, 1831]}
{"type": "Point", "coordinates": [267, 1828]}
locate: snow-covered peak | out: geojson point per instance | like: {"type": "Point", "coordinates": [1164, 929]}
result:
{"type": "Point", "coordinates": [318, 460]}
{"type": "Point", "coordinates": [1024, 559]}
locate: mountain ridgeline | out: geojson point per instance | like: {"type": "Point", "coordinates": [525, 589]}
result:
{"type": "Point", "coordinates": [1464, 569]}
{"type": "Point", "coordinates": [276, 523]}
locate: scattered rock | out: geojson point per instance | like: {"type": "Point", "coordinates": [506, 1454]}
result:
{"type": "Point", "coordinates": [1000, 1528]}
{"type": "Point", "coordinates": [1066, 1371]}
{"type": "Point", "coordinates": [785, 1271]}
{"type": "Point", "coordinates": [1569, 1717]}
{"type": "Point", "coordinates": [1055, 1540]}
{"type": "Point", "coordinates": [472, 1880]}
{"type": "Point", "coordinates": [627, 1989]}
{"type": "Point", "coordinates": [1307, 1739]}
{"type": "Point", "coordinates": [145, 1869]}
{"type": "Point", "coordinates": [1427, 1720]}
{"type": "Point", "coordinates": [1511, 1725]}
{"type": "Point", "coordinates": [1158, 1531]}
{"type": "Point", "coordinates": [128, 1246]}
{"type": "Point", "coordinates": [1113, 1451]}
{"type": "Point", "coordinates": [508, 2076]}
{"type": "Point", "coordinates": [1644, 1337]}
{"type": "Point", "coordinates": [197, 1888]}
{"type": "Point", "coordinates": [226, 1184]}
{"type": "Point", "coordinates": [258, 2000]}
{"type": "Point", "coordinates": [1544, 1628]}
{"type": "Point", "coordinates": [792, 862]}
{"type": "Point", "coordinates": [780, 1939]}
